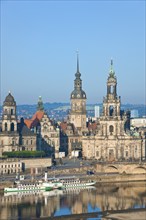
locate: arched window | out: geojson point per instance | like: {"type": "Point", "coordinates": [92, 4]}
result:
{"type": "Point", "coordinates": [6, 127]}
{"type": "Point", "coordinates": [111, 109]}
{"type": "Point", "coordinates": [111, 129]}
{"type": "Point", "coordinates": [12, 126]}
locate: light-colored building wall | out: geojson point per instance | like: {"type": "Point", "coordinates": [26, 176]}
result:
{"type": "Point", "coordinates": [37, 162]}
{"type": "Point", "coordinates": [10, 166]}
{"type": "Point", "coordinates": [138, 122]}
{"type": "Point", "coordinates": [97, 111]}
{"type": "Point", "coordinates": [50, 135]}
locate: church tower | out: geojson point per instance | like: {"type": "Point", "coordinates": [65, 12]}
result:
{"type": "Point", "coordinates": [78, 102]}
{"type": "Point", "coordinates": [9, 118]}
{"type": "Point", "coordinates": [111, 104]}
{"type": "Point", "coordinates": [112, 120]}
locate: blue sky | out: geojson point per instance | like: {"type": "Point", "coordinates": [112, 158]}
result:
{"type": "Point", "coordinates": [39, 40]}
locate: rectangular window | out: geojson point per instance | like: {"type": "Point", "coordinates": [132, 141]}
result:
{"type": "Point", "coordinates": [97, 153]}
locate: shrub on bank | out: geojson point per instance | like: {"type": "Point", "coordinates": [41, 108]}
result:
{"type": "Point", "coordinates": [24, 154]}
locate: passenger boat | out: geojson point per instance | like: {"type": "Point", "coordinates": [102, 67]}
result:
{"type": "Point", "coordinates": [36, 186]}
{"type": "Point", "coordinates": [74, 182]}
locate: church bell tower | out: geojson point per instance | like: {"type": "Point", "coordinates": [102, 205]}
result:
{"type": "Point", "coordinates": [9, 117]}
{"type": "Point", "coordinates": [111, 103]}
{"type": "Point", "coordinates": [78, 102]}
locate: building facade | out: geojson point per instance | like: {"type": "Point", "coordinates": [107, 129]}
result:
{"type": "Point", "coordinates": [14, 134]}
{"type": "Point", "coordinates": [113, 140]}
{"type": "Point", "coordinates": [10, 166]}
{"type": "Point", "coordinates": [47, 131]}
{"type": "Point", "coordinates": [108, 138]}
{"type": "Point", "coordinates": [72, 130]}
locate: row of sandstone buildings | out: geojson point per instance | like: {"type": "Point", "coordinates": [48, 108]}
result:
{"type": "Point", "coordinates": [108, 138]}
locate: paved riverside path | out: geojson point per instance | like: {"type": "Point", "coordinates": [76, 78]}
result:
{"type": "Point", "coordinates": [136, 214]}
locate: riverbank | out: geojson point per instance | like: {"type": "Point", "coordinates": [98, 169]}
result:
{"type": "Point", "coordinates": [106, 178]}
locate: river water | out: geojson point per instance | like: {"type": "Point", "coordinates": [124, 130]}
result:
{"type": "Point", "coordinates": [102, 198]}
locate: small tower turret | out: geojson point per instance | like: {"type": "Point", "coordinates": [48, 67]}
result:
{"type": "Point", "coordinates": [40, 106]}
{"type": "Point", "coordinates": [9, 117]}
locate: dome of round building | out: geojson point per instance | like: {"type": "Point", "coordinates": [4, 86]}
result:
{"type": "Point", "coordinates": [78, 94]}
{"type": "Point", "coordinates": [9, 100]}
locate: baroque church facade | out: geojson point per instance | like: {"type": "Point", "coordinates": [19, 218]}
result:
{"type": "Point", "coordinates": [112, 140]}
{"type": "Point", "coordinates": [108, 138]}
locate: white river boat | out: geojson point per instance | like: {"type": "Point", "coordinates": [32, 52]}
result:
{"type": "Point", "coordinates": [35, 186]}
{"type": "Point", "coordinates": [74, 182]}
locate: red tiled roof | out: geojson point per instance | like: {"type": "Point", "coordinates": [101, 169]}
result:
{"type": "Point", "coordinates": [28, 122]}
{"type": "Point", "coordinates": [38, 115]}
{"type": "Point", "coordinates": [35, 122]}
{"type": "Point", "coordinates": [35, 119]}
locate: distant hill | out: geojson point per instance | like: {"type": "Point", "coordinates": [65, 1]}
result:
{"type": "Point", "coordinates": [60, 110]}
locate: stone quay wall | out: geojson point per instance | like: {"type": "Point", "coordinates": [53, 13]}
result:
{"type": "Point", "coordinates": [37, 163]}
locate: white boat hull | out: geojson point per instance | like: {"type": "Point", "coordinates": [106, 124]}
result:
{"type": "Point", "coordinates": [34, 187]}
{"type": "Point", "coordinates": [78, 185]}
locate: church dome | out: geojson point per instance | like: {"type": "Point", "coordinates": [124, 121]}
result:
{"type": "Point", "coordinates": [9, 100]}
{"type": "Point", "coordinates": [78, 94]}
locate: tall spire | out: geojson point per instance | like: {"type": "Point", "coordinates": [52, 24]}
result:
{"type": "Point", "coordinates": [78, 61]}
{"type": "Point", "coordinates": [111, 63]}
{"type": "Point", "coordinates": [112, 72]}
{"type": "Point", "coordinates": [78, 74]}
